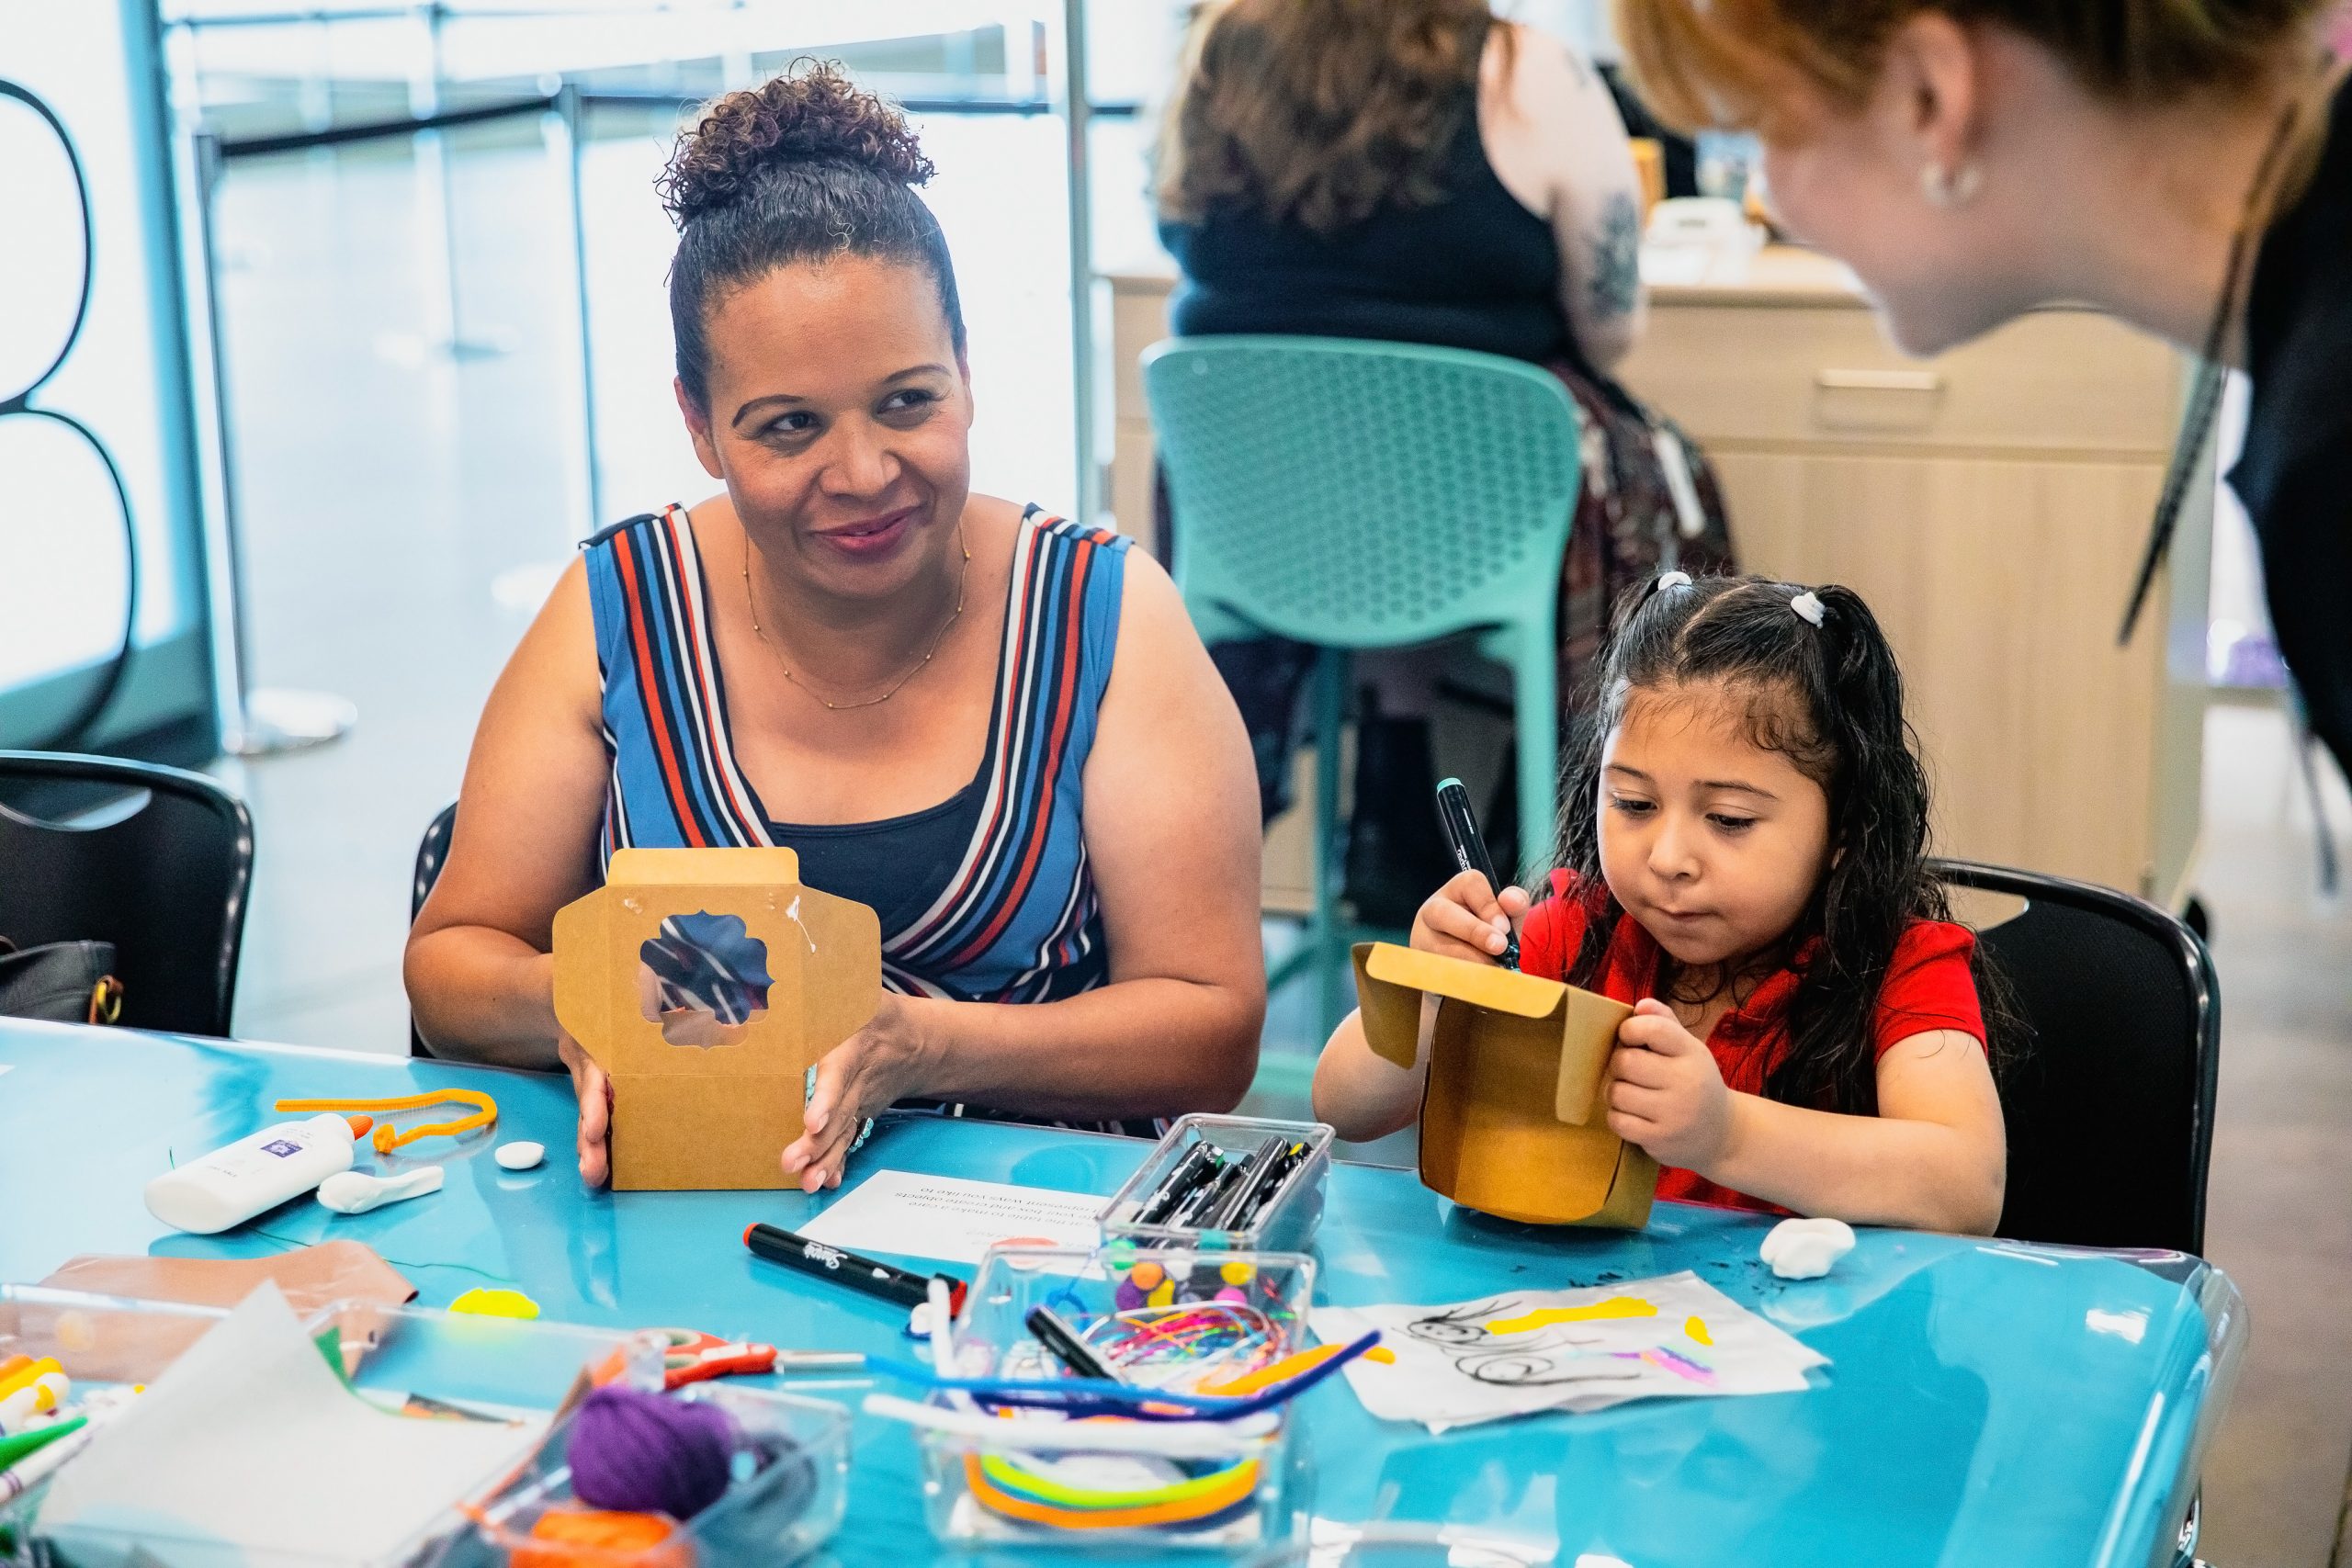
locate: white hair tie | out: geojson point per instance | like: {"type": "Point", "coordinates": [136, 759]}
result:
{"type": "Point", "coordinates": [1672, 580]}
{"type": "Point", "coordinates": [1808, 604]}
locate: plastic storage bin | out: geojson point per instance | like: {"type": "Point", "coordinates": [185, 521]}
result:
{"type": "Point", "coordinates": [776, 1514]}
{"type": "Point", "coordinates": [1064, 1485]}
{"type": "Point", "coordinates": [498, 1367]}
{"type": "Point", "coordinates": [1287, 1223]}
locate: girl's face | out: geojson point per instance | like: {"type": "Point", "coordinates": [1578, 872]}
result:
{"type": "Point", "coordinates": [1713, 844]}
{"type": "Point", "coordinates": [840, 417]}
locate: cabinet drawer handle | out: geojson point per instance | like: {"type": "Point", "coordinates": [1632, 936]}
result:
{"type": "Point", "coordinates": [1879, 381]}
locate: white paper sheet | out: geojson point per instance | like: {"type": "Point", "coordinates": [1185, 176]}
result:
{"type": "Point", "coordinates": [1521, 1351]}
{"type": "Point", "coordinates": [950, 1219]}
{"type": "Point", "coordinates": [249, 1450]}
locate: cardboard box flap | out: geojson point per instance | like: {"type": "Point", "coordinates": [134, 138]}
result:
{"type": "Point", "coordinates": [1481, 984]}
{"type": "Point", "coordinates": [579, 1001]}
{"type": "Point", "coordinates": [769, 866]}
{"type": "Point", "coordinates": [1391, 1013]}
{"type": "Point", "coordinates": [1588, 1036]}
{"type": "Point", "coordinates": [841, 966]}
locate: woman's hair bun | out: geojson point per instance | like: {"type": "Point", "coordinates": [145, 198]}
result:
{"type": "Point", "coordinates": [812, 113]}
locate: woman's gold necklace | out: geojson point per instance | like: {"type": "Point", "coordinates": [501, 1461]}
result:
{"type": "Point", "coordinates": [964, 573]}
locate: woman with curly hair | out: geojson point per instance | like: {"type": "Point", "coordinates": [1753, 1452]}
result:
{"type": "Point", "coordinates": [995, 728]}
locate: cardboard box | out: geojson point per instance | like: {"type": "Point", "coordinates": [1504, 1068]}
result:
{"type": "Point", "coordinates": [1512, 1123]}
{"type": "Point", "coordinates": [705, 983]}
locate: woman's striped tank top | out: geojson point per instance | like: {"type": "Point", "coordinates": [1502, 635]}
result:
{"type": "Point", "coordinates": [1018, 919]}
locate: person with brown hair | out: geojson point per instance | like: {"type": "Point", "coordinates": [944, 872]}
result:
{"type": "Point", "coordinates": [2183, 164]}
{"type": "Point", "coordinates": [1411, 170]}
{"type": "Point", "coordinates": [1418, 171]}
{"type": "Point", "coordinates": [996, 729]}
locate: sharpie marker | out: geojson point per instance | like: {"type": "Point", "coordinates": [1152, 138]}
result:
{"type": "Point", "coordinates": [862, 1274]}
{"type": "Point", "coordinates": [1470, 849]}
{"type": "Point", "coordinates": [1067, 1346]}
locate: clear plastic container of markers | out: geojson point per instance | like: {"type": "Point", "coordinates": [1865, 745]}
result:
{"type": "Point", "coordinates": [790, 1488]}
{"type": "Point", "coordinates": [1244, 1183]}
{"type": "Point", "coordinates": [1189, 1321]}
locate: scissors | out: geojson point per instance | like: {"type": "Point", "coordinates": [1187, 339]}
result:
{"type": "Point", "coordinates": [693, 1357]}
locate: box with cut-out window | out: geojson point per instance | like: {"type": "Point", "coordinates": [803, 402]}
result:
{"type": "Point", "coordinates": [1513, 1118]}
{"type": "Point", "coordinates": [707, 982]}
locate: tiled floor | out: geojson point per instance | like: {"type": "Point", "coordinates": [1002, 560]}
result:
{"type": "Point", "coordinates": [387, 490]}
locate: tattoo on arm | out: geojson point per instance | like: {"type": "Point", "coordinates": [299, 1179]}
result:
{"type": "Point", "coordinates": [1617, 259]}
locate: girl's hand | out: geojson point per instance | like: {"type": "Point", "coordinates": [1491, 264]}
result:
{"type": "Point", "coordinates": [596, 1095]}
{"type": "Point", "coordinates": [1666, 1092]}
{"type": "Point", "coordinates": [892, 1056]}
{"type": "Point", "coordinates": [1465, 919]}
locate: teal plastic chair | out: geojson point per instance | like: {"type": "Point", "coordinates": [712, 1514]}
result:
{"type": "Point", "coordinates": [1354, 494]}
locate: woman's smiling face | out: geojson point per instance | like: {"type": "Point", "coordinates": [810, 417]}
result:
{"type": "Point", "coordinates": [840, 418]}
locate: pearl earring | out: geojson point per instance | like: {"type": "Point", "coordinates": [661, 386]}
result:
{"type": "Point", "coordinates": [1946, 187]}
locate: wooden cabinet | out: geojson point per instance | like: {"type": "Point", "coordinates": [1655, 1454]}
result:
{"type": "Point", "coordinates": [1990, 505]}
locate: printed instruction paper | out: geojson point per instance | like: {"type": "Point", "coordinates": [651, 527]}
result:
{"type": "Point", "coordinates": [951, 1218]}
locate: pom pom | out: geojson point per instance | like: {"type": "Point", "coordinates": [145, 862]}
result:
{"type": "Point", "coordinates": [632, 1452]}
{"type": "Point", "coordinates": [1804, 1249]}
{"type": "Point", "coordinates": [570, 1538]}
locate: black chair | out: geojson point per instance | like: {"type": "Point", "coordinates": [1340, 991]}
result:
{"type": "Point", "coordinates": [155, 860]}
{"type": "Point", "coordinates": [432, 850]}
{"type": "Point", "coordinates": [2110, 1102]}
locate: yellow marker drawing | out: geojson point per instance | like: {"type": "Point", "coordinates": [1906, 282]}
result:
{"type": "Point", "coordinates": [1615, 1306]}
{"type": "Point", "coordinates": [1697, 1329]}
{"type": "Point", "coordinates": [1382, 1354]}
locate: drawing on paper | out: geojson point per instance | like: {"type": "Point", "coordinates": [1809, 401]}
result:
{"type": "Point", "coordinates": [1582, 1349]}
{"type": "Point", "coordinates": [1498, 1341]}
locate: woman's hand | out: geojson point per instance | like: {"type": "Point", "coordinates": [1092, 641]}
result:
{"type": "Point", "coordinates": [1466, 918]}
{"type": "Point", "coordinates": [891, 1057]}
{"type": "Point", "coordinates": [1666, 1092]}
{"type": "Point", "coordinates": [596, 1095]}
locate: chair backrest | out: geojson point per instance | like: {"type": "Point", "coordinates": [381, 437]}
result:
{"type": "Point", "coordinates": [1359, 494]}
{"type": "Point", "coordinates": [432, 850]}
{"type": "Point", "coordinates": [2109, 1105]}
{"type": "Point", "coordinates": [155, 860]}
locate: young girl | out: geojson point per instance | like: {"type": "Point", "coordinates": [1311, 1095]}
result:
{"type": "Point", "coordinates": [1741, 848]}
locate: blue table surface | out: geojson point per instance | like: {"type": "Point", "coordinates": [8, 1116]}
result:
{"type": "Point", "coordinates": [1986, 1402]}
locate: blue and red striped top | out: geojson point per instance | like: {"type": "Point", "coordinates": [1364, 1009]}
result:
{"type": "Point", "coordinates": [1016, 919]}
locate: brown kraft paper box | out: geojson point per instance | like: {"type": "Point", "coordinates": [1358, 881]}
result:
{"type": "Point", "coordinates": [1512, 1123]}
{"type": "Point", "coordinates": [705, 983]}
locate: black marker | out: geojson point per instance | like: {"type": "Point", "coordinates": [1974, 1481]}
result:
{"type": "Point", "coordinates": [1268, 1185]}
{"type": "Point", "coordinates": [1066, 1345]}
{"type": "Point", "coordinates": [1198, 1165]}
{"type": "Point", "coordinates": [1228, 1210]}
{"type": "Point", "coordinates": [1196, 1208]}
{"type": "Point", "coordinates": [1470, 849]}
{"type": "Point", "coordinates": [861, 1274]}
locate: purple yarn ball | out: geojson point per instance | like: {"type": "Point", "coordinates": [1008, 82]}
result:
{"type": "Point", "coordinates": [644, 1453]}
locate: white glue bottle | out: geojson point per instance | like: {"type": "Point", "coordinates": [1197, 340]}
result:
{"type": "Point", "coordinates": [230, 1186]}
